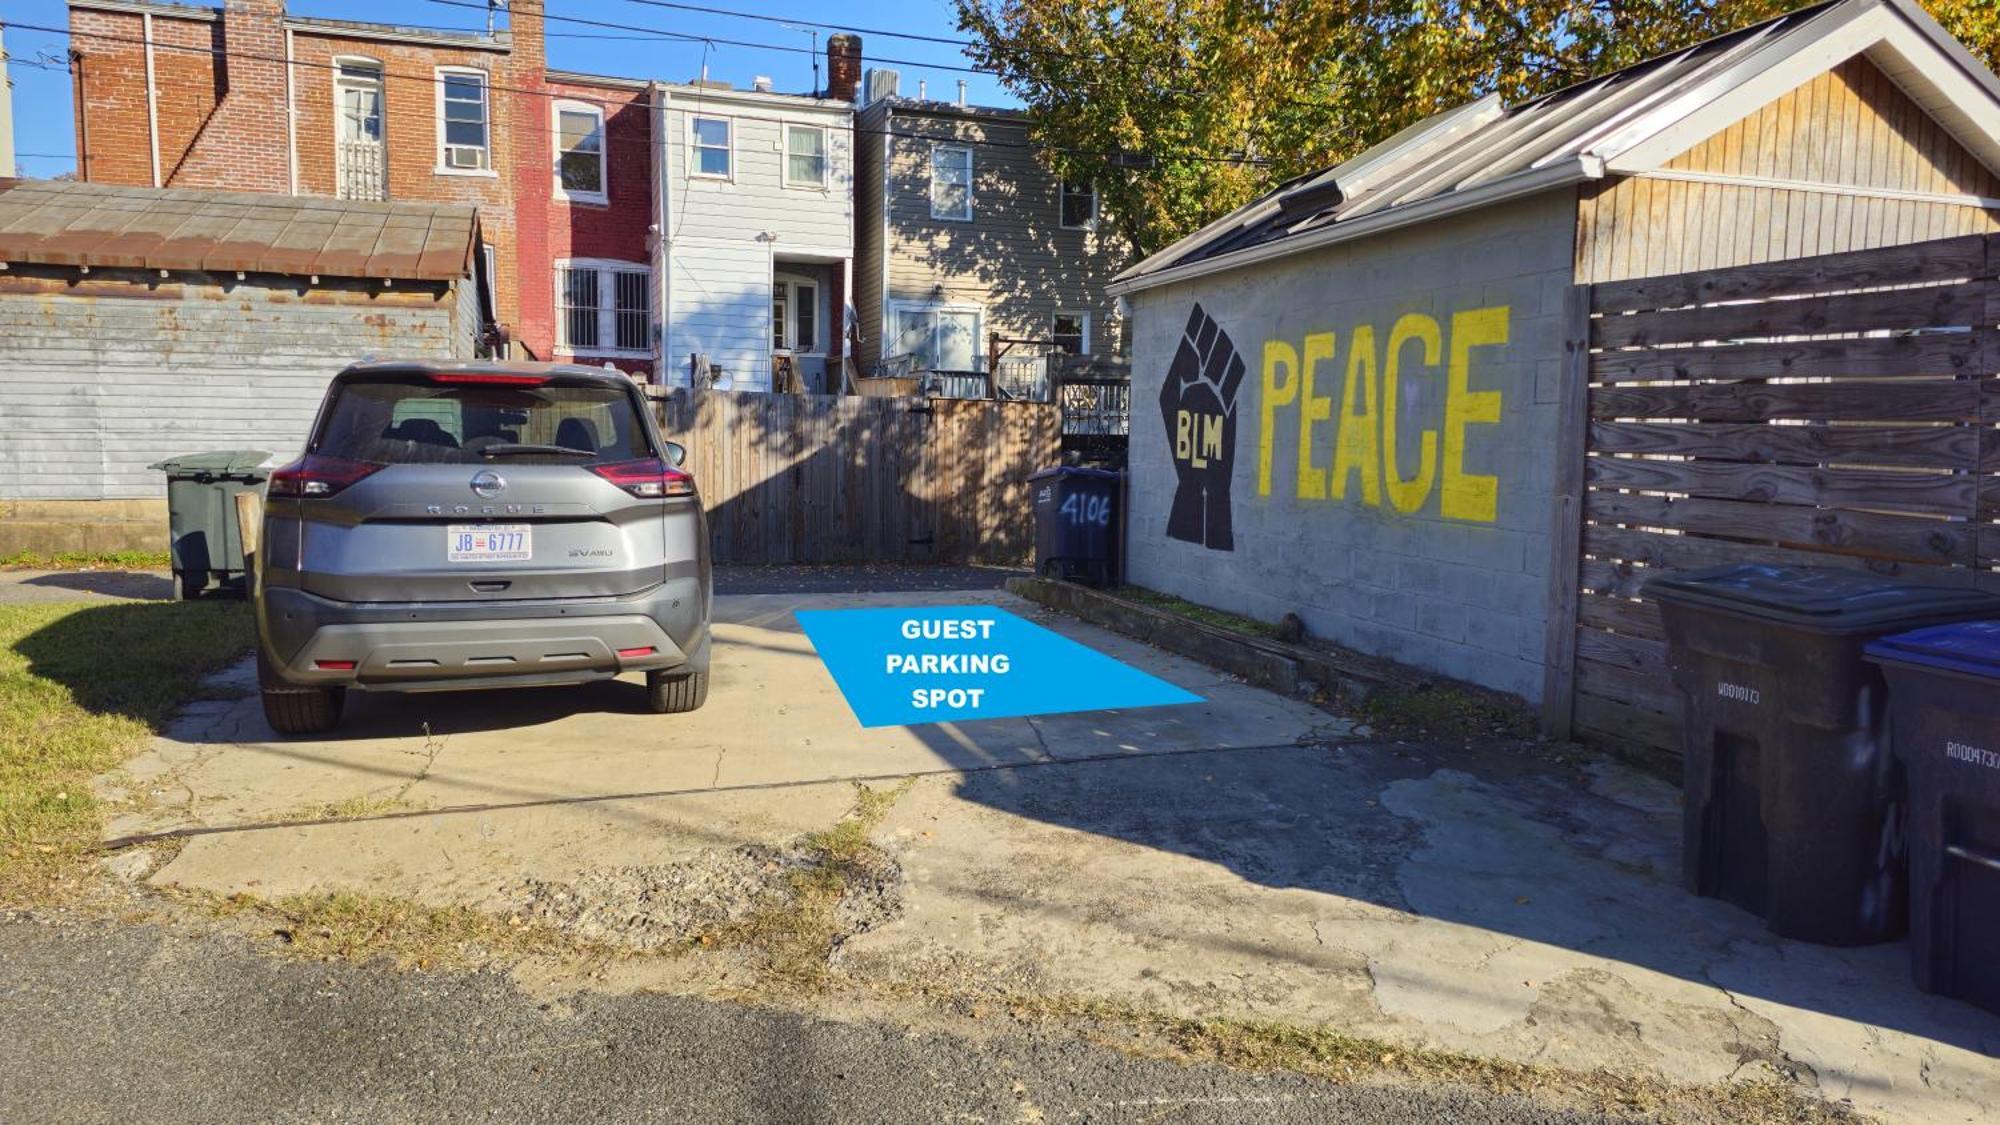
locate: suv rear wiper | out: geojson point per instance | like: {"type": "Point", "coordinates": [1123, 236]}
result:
{"type": "Point", "coordinates": [508, 449]}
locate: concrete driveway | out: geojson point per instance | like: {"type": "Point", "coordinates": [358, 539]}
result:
{"type": "Point", "coordinates": [1247, 856]}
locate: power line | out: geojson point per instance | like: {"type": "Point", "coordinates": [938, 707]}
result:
{"type": "Point", "coordinates": [884, 32]}
{"type": "Point", "coordinates": [691, 37]}
{"type": "Point", "coordinates": [434, 80]}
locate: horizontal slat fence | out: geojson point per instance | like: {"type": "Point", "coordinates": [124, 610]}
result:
{"type": "Point", "coordinates": [846, 479]}
{"type": "Point", "coordinates": [1836, 411]}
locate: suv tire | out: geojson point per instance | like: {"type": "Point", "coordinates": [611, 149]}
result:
{"type": "Point", "coordinates": [297, 710]}
{"type": "Point", "coordinates": [676, 693]}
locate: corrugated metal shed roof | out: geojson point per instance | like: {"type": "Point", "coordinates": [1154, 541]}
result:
{"type": "Point", "coordinates": [110, 226]}
{"type": "Point", "coordinates": [1482, 152]}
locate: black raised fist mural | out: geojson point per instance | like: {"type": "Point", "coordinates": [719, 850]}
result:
{"type": "Point", "coordinates": [1198, 405]}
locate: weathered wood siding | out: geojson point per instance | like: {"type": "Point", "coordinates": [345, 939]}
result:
{"type": "Point", "coordinates": [830, 478]}
{"type": "Point", "coordinates": [102, 376]}
{"type": "Point", "coordinates": [1850, 126]}
{"type": "Point", "coordinates": [1830, 411]}
{"type": "Point", "coordinates": [1014, 259]}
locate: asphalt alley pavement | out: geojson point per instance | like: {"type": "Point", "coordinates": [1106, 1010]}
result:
{"type": "Point", "coordinates": [106, 1023]}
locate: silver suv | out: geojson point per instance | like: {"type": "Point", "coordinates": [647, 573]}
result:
{"type": "Point", "coordinates": [480, 525]}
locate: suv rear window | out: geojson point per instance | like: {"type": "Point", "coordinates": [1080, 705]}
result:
{"type": "Point", "coordinates": [407, 422]}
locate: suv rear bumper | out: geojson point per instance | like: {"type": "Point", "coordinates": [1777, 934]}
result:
{"type": "Point", "coordinates": [418, 646]}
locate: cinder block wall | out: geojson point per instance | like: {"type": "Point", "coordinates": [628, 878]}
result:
{"type": "Point", "coordinates": [1449, 585]}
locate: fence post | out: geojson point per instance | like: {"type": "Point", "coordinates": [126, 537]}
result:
{"type": "Point", "coordinates": [1566, 524]}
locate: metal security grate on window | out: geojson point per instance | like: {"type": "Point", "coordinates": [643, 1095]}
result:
{"type": "Point", "coordinates": [634, 310]}
{"type": "Point", "coordinates": [579, 312]}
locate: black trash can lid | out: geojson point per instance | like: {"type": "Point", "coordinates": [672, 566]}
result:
{"type": "Point", "coordinates": [1819, 597]}
{"type": "Point", "coordinates": [1966, 646]}
{"type": "Point", "coordinates": [1072, 471]}
{"type": "Point", "coordinates": [216, 461]}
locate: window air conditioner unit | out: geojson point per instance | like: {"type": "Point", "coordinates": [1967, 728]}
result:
{"type": "Point", "coordinates": [463, 156]}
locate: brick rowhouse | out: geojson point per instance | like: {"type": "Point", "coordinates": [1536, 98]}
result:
{"type": "Point", "coordinates": [244, 98]}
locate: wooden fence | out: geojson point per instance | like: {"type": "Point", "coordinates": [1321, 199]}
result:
{"type": "Point", "coordinates": [828, 478]}
{"type": "Point", "coordinates": [1835, 411]}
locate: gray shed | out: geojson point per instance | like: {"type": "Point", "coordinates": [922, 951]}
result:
{"type": "Point", "coordinates": [1375, 385]}
{"type": "Point", "coordinates": [138, 323]}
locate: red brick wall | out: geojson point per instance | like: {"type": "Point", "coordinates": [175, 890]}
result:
{"type": "Point", "coordinates": [617, 229]}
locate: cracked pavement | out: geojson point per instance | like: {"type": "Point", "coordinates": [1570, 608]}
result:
{"type": "Point", "coordinates": [1247, 856]}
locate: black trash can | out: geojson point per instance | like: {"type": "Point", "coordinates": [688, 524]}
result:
{"type": "Point", "coordinates": [1792, 804]}
{"type": "Point", "coordinates": [1944, 704]}
{"type": "Point", "coordinates": [201, 515]}
{"type": "Point", "coordinates": [1076, 524]}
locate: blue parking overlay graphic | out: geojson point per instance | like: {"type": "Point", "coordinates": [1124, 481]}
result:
{"type": "Point", "coordinates": [938, 664]}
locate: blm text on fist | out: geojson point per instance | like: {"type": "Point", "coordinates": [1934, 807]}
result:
{"type": "Point", "coordinates": [1198, 405]}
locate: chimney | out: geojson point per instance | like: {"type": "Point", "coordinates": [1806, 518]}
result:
{"type": "Point", "coordinates": [843, 67]}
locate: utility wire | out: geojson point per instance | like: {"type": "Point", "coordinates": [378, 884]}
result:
{"type": "Point", "coordinates": [434, 80]}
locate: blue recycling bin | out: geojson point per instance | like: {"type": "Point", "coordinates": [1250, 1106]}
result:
{"type": "Point", "coordinates": [1944, 722]}
{"type": "Point", "coordinates": [1076, 526]}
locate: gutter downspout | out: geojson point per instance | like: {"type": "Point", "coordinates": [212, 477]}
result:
{"type": "Point", "coordinates": [152, 98]}
{"type": "Point", "coordinates": [291, 116]}
{"type": "Point", "coordinates": [663, 252]}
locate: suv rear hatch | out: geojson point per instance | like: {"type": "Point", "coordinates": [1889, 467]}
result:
{"type": "Point", "coordinates": [471, 486]}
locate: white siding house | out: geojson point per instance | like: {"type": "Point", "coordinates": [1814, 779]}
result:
{"type": "Point", "coordinates": [756, 231]}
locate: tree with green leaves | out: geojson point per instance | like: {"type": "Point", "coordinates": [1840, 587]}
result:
{"type": "Point", "coordinates": [1181, 110]}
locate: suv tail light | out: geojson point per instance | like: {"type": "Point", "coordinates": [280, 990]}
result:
{"type": "Point", "coordinates": [314, 476]}
{"type": "Point", "coordinates": [647, 477]}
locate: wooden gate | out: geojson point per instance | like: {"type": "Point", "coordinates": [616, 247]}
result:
{"type": "Point", "coordinates": [1834, 411]}
{"type": "Point", "coordinates": [844, 479]}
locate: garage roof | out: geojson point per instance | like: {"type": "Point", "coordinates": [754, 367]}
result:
{"type": "Point", "coordinates": [110, 226]}
{"type": "Point", "coordinates": [1632, 120]}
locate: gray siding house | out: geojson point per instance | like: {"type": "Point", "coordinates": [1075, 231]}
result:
{"type": "Point", "coordinates": [962, 235]}
{"type": "Point", "coordinates": [140, 323]}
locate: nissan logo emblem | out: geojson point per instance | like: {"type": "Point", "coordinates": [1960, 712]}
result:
{"type": "Point", "coordinates": [488, 483]}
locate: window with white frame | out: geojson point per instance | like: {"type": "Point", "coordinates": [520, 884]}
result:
{"type": "Point", "coordinates": [463, 134]}
{"type": "Point", "coordinates": [710, 139]}
{"type": "Point", "coordinates": [1079, 205]}
{"type": "Point", "coordinates": [951, 182]}
{"type": "Point", "coordinates": [603, 308]}
{"type": "Point", "coordinates": [805, 156]}
{"type": "Point", "coordinates": [1070, 332]}
{"type": "Point", "coordinates": [942, 338]}
{"type": "Point", "coordinates": [580, 166]}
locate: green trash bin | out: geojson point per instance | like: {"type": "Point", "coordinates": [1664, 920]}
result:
{"type": "Point", "coordinates": [201, 515]}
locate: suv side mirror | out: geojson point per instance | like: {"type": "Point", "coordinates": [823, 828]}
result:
{"type": "Point", "coordinates": [676, 453]}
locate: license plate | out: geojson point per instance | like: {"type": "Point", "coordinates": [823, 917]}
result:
{"type": "Point", "coordinates": [489, 542]}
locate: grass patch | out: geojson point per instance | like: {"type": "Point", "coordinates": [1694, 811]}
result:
{"type": "Point", "coordinates": [1446, 710]}
{"type": "Point", "coordinates": [1181, 607]}
{"type": "Point", "coordinates": [88, 560]}
{"type": "Point", "coordinates": [1334, 1056]}
{"type": "Point", "coordinates": [82, 687]}
{"type": "Point", "coordinates": [353, 808]}
{"type": "Point", "coordinates": [797, 933]}
{"type": "Point", "coordinates": [344, 925]}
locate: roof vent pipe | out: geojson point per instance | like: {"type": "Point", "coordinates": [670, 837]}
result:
{"type": "Point", "coordinates": [961, 93]}
{"type": "Point", "coordinates": [923, 90]}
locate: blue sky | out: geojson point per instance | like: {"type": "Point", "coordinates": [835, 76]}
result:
{"type": "Point", "coordinates": [44, 135]}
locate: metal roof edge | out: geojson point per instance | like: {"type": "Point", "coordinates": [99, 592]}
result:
{"type": "Point", "coordinates": [1530, 182]}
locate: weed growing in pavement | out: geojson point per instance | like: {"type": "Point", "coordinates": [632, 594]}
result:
{"type": "Point", "coordinates": [351, 926]}
{"type": "Point", "coordinates": [796, 933]}
{"type": "Point", "coordinates": [1440, 710]}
